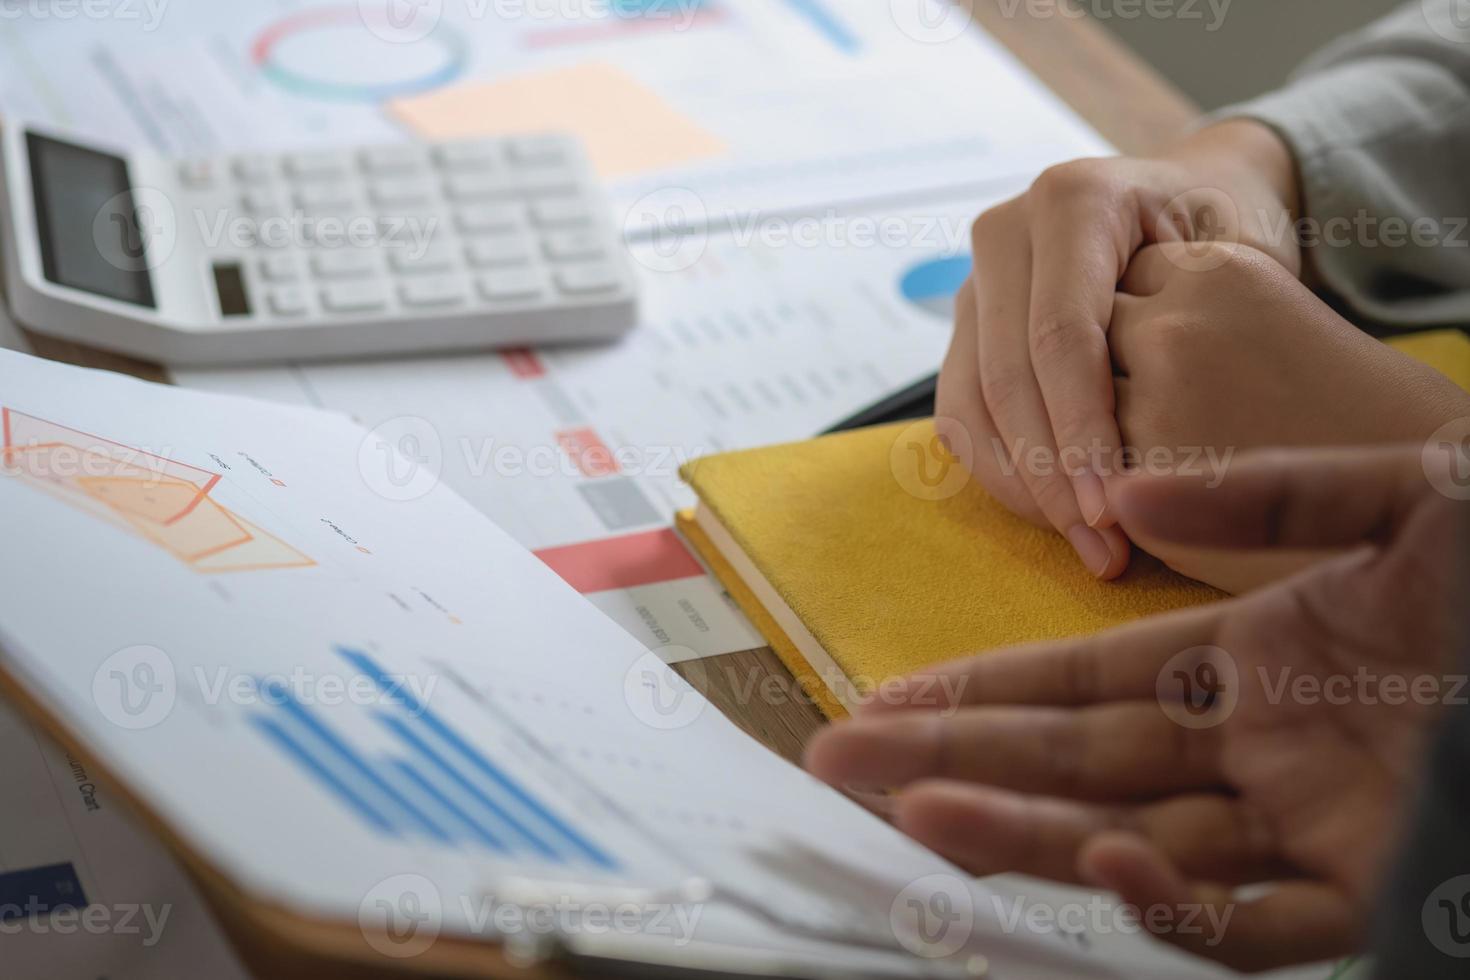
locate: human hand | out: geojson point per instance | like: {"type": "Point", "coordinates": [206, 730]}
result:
{"type": "Point", "coordinates": [1220, 350]}
{"type": "Point", "coordinates": [1028, 368]}
{"type": "Point", "coordinates": [1087, 760]}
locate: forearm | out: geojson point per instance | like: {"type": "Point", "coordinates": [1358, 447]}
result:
{"type": "Point", "coordinates": [1379, 127]}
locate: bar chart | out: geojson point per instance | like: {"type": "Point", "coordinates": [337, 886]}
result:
{"type": "Point", "coordinates": [434, 786]}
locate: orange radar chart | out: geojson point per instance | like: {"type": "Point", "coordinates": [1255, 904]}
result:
{"type": "Point", "coordinates": [161, 500]}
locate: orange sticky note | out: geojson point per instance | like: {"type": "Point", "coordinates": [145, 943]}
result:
{"type": "Point", "coordinates": [628, 127]}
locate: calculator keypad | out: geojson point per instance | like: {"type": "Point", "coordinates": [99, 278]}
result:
{"type": "Point", "coordinates": [494, 224]}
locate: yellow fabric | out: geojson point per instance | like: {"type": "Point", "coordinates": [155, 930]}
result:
{"type": "Point", "coordinates": [1448, 351]}
{"type": "Point", "coordinates": [888, 582]}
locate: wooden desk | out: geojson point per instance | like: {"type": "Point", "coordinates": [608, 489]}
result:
{"type": "Point", "coordinates": [1124, 99]}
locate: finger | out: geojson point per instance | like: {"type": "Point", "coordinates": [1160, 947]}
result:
{"type": "Point", "coordinates": [1121, 664]}
{"type": "Point", "coordinates": [1126, 335]}
{"type": "Point", "coordinates": [1294, 922]}
{"type": "Point", "coordinates": [1154, 268]}
{"type": "Point", "coordinates": [995, 831]}
{"type": "Point", "coordinates": [1125, 750]}
{"type": "Point", "coordinates": [1076, 267]}
{"type": "Point", "coordinates": [962, 419]}
{"type": "Point", "coordinates": [1149, 271]}
{"type": "Point", "coordinates": [1129, 420]}
{"type": "Point", "coordinates": [989, 831]}
{"type": "Point", "coordinates": [1280, 499]}
{"type": "Point", "coordinates": [1011, 392]}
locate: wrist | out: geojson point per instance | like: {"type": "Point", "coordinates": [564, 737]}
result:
{"type": "Point", "coordinates": [1244, 152]}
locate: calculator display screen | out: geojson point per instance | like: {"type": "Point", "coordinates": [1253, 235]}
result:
{"type": "Point", "coordinates": [88, 222]}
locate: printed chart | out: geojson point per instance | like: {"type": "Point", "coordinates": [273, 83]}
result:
{"type": "Point", "coordinates": [68, 850]}
{"type": "Point", "coordinates": [38, 861]}
{"type": "Point", "coordinates": [931, 286]}
{"type": "Point", "coordinates": [436, 787]}
{"type": "Point", "coordinates": [160, 499]}
{"type": "Point", "coordinates": [338, 53]}
{"type": "Point", "coordinates": [627, 20]}
{"type": "Point", "coordinates": [828, 23]}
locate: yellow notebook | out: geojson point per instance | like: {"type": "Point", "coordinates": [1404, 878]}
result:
{"type": "Point", "coordinates": [853, 579]}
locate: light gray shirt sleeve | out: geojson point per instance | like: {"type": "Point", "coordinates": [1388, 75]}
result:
{"type": "Point", "coordinates": [1379, 123]}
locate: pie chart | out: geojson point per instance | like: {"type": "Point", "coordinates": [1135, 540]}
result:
{"type": "Point", "coordinates": [340, 54]}
{"type": "Point", "coordinates": [932, 285]}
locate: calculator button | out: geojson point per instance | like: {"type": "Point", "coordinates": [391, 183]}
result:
{"type": "Point", "coordinates": [340, 232]}
{"type": "Point", "coordinates": [269, 234]}
{"type": "Point", "coordinates": [486, 253]}
{"type": "Point", "coordinates": [512, 284]}
{"type": "Point", "coordinates": [401, 229]}
{"type": "Point", "coordinates": [278, 268]}
{"type": "Point", "coordinates": [488, 217]}
{"type": "Point", "coordinates": [254, 169]}
{"type": "Point", "coordinates": [241, 234]}
{"type": "Point", "coordinates": [391, 160]}
{"type": "Point", "coordinates": [574, 246]}
{"type": "Point", "coordinates": [313, 234]}
{"type": "Point", "coordinates": [343, 264]}
{"type": "Point", "coordinates": [259, 200]}
{"type": "Point", "coordinates": [598, 277]}
{"type": "Point", "coordinates": [476, 187]}
{"type": "Point", "coordinates": [288, 301]}
{"type": "Point", "coordinates": [467, 155]}
{"type": "Point", "coordinates": [410, 262]}
{"type": "Point", "coordinates": [547, 183]}
{"type": "Point", "coordinates": [432, 291]}
{"type": "Point", "coordinates": [400, 192]}
{"type": "Point", "coordinates": [537, 150]}
{"type": "Point", "coordinates": [324, 197]}
{"type": "Point", "coordinates": [354, 297]}
{"type": "Point", "coordinates": [561, 214]}
{"type": "Point", "coordinates": [197, 174]}
{"type": "Point", "coordinates": [316, 166]}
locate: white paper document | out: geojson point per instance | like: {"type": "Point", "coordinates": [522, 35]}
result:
{"type": "Point", "coordinates": [795, 103]}
{"type": "Point", "coordinates": [793, 109]}
{"type": "Point", "coordinates": [84, 893]}
{"type": "Point", "coordinates": [359, 708]}
{"type": "Point", "coordinates": [769, 334]}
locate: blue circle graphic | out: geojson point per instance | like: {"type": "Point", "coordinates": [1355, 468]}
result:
{"type": "Point", "coordinates": [932, 285]}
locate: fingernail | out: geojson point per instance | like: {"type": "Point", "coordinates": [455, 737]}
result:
{"type": "Point", "coordinates": [1091, 548]}
{"type": "Point", "coordinates": [1091, 497]}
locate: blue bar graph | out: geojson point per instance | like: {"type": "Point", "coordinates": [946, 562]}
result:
{"type": "Point", "coordinates": [828, 23]}
{"type": "Point", "coordinates": [440, 789]}
{"type": "Point", "coordinates": [446, 768]}
{"type": "Point", "coordinates": [447, 805]}
{"type": "Point", "coordinates": [349, 764]}
{"type": "Point", "coordinates": [324, 773]}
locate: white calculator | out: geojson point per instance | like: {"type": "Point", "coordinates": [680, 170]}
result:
{"type": "Point", "coordinates": [396, 249]}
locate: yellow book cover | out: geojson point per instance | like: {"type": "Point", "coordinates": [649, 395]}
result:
{"type": "Point", "coordinates": [869, 554]}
